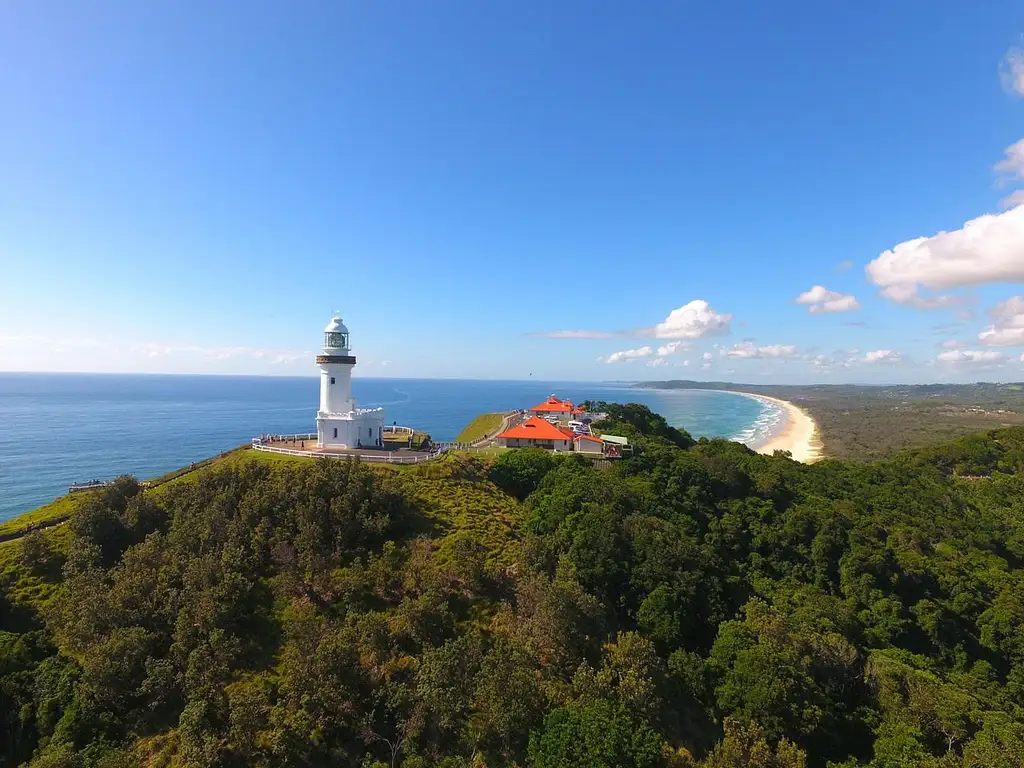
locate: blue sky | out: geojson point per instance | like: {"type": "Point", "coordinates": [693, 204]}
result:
{"type": "Point", "coordinates": [190, 187]}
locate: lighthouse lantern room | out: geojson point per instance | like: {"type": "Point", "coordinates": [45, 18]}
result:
{"type": "Point", "coordinates": [339, 423]}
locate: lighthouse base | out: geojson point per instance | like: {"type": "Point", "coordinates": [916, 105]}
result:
{"type": "Point", "coordinates": [361, 428]}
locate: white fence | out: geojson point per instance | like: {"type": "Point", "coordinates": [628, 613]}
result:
{"type": "Point", "coordinates": [263, 443]}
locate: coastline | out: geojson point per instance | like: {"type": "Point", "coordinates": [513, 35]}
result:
{"type": "Point", "coordinates": [798, 432]}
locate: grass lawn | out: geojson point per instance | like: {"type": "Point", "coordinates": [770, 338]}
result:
{"type": "Point", "coordinates": [402, 439]}
{"type": "Point", "coordinates": [480, 426]}
{"type": "Point", "coordinates": [59, 508]}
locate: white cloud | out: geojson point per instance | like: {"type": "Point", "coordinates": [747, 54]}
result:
{"type": "Point", "coordinates": [690, 321]}
{"type": "Point", "coordinates": [153, 350]}
{"type": "Point", "coordinates": [627, 355]}
{"type": "Point", "coordinates": [656, 362]}
{"type": "Point", "coordinates": [1011, 71]}
{"type": "Point", "coordinates": [842, 266]}
{"type": "Point", "coordinates": [580, 334]}
{"type": "Point", "coordinates": [970, 356]}
{"type": "Point", "coordinates": [882, 356]}
{"type": "Point", "coordinates": [671, 348]}
{"type": "Point", "coordinates": [687, 362]}
{"type": "Point", "coordinates": [823, 300]}
{"type": "Point", "coordinates": [1007, 329]}
{"type": "Point", "coordinates": [705, 366]}
{"type": "Point", "coordinates": [747, 349]}
{"type": "Point", "coordinates": [693, 321]}
{"type": "Point", "coordinates": [1013, 164]}
{"type": "Point", "coordinates": [707, 357]}
{"type": "Point", "coordinates": [951, 344]}
{"type": "Point", "coordinates": [988, 249]}
{"type": "Point", "coordinates": [1013, 199]}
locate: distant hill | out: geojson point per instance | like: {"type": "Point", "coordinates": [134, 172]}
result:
{"type": "Point", "coordinates": [870, 422]}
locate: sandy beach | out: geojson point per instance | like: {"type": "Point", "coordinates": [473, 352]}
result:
{"type": "Point", "coordinates": [798, 435]}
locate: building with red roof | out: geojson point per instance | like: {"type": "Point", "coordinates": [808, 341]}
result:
{"type": "Point", "coordinates": [536, 432]}
{"type": "Point", "coordinates": [563, 410]}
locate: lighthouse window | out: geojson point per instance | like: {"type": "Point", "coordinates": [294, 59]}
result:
{"type": "Point", "coordinates": [371, 431]}
{"type": "Point", "coordinates": [332, 379]}
{"type": "Point", "coordinates": [335, 431]}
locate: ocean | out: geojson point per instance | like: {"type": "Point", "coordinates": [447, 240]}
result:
{"type": "Point", "coordinates": [59, 429]}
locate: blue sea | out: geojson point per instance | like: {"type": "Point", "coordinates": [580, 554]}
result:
{"type": "Point", "coordinates": [59, 429]}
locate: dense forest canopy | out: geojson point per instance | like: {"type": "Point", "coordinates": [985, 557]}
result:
{"type": "Point", "coordinates": [695, 604]}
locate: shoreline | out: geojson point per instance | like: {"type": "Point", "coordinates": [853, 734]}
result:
{"type": "Point", "coordinates": [798, 432]}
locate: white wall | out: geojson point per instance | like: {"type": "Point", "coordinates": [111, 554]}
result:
{"type": "Point", "coordinates": [362, 428]}
{"type": "Point", "coordinates": [336, 397]}
{"type": "Point", "coordinates": [525, 442]}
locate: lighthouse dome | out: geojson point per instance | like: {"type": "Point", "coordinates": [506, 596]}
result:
{"type": "Point", "coordinates": [335, 326]}
{"type": "Point", "coordinates": [335, 336]}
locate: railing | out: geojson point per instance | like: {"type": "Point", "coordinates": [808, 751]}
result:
{"type": "Point", "coordinates": [388, 458]}
{"type": "Point", "coordinates": [263, 439]}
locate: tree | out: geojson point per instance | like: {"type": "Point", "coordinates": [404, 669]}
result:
{"type": "Point", "coordinates": [519, 472]}
{"type": "Point", "coordinates": [597, 734]}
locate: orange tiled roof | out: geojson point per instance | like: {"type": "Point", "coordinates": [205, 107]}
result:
{"type": "Point", "coordinates": [535, 428]}
{"type": "Point", "coordinates": [588, 437]}
{"type": "Point", "coordinates": [554, 405]}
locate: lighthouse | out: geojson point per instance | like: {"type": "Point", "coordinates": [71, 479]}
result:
{"type": "Point", "coordinates": [339, 423]}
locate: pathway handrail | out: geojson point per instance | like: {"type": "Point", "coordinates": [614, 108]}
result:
{"type": "Point", "coordinates": [388, 458]}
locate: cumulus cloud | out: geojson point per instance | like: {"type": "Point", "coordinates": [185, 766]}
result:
{"type": "Point", "coordinates": [671, 348]}
{"type": "Point", "coordinates": [1007, 328]}
{"type": "Point", "coordinates": [882, 356]}
{"type": "Point", "coordinates": [690, 321]}
{"type": "Point", "coordinates": [1011, 71]}
{"type": "Point", "coordinates": [626, 355]}
{"type": "Point", "coordinates": [821, 299]}
{"type": "Point", "coordinates": [656, 362]}
{"type": "Point", "coordinates": [970, 356]}
{"type": "Point", "coordinates": [1013, 199]}
{"type": "Point", "coordinates": [951, 344]}
{"type": "Point", "coordinates": [747, 349]}
{"type": "Point", "coordinates": [693, 321]}
{"type": "Point", "coordinates": [988, 249]}
{"type": "Point", "coordinates": [707, 357]}
{"type": "Point", "coordinates": [1012, 166]}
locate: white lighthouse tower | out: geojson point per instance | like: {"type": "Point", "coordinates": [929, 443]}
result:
{"type": "Point", "coordinates": [339, 424]}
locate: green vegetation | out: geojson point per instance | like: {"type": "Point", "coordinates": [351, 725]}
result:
{"type": "Point", "coordinates": [862, 422]}
{"type": "Point", "coordinates": [479, 427]}
{"type": "Point", "coordinates": [420, 440]}
{"type": "Point", "coordinates": [57, 510]}
{"type": "Point", "coordinates": [694, 605]}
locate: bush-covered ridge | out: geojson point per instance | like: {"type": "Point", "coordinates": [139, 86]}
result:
{"type": "Point", "coordinates": [696, 604]}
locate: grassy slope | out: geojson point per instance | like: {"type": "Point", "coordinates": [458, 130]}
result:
{"type": "Point", "coordinates": [453, 493]}
{"type": "Point", "coordinates": [480, 426]}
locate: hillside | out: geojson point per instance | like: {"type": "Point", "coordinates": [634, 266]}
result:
{"type": "Point", "coordinates": [874, 422]}
{"type": "Point", "coordinates": [694, 605]}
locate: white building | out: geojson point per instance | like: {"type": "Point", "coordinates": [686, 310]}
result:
{"type": "Point", "coordinates": [339, 424]}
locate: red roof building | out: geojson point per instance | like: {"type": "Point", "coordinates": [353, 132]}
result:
{"type": "Point", "coordinates": [563, 409]}
{"type": "Point", "coordinates": [536, 432]}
